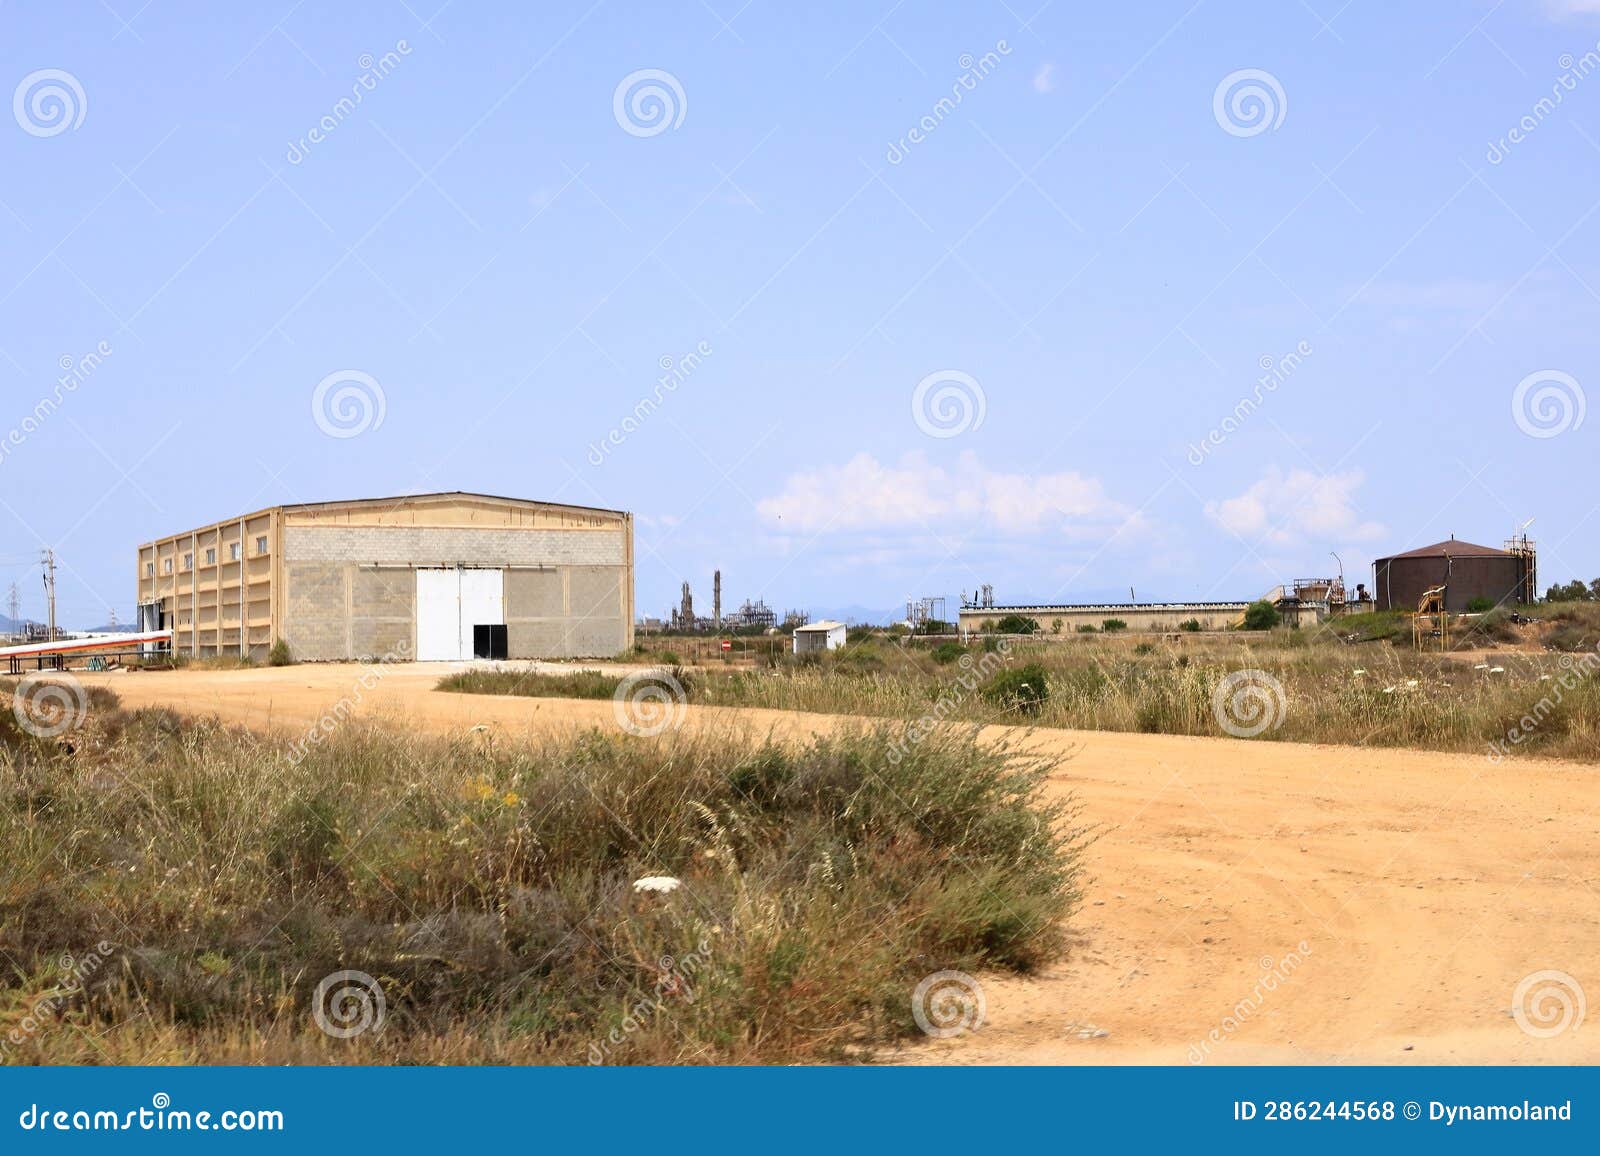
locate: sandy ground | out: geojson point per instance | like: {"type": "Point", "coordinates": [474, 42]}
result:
{"type": "Point", "coordinates": [1416, 891]}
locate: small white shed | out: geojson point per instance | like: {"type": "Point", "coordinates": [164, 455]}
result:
{"type": "Point", "coordinates": [814, 636]}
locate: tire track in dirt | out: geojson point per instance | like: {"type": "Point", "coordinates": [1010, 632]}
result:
{"type": "Point", "coordinates": [1424, 887]}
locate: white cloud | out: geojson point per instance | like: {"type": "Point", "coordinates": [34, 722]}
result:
{"type": "Point", "coordinates": [1044, 80]}
{"type": "Point", "coordinates": [865, 494]}
{"type": "Point", "coordinates": [1457, 294]}
{"type": "Point", "coordinates": [1297, 507]}
{"type": "Point", "coordinates": [1571, 9]}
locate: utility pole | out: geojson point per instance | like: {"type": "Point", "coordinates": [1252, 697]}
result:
{"type": "Point", "coordinates": [50, 589]}
{"type": "Point", "coordinates": [14, 605]}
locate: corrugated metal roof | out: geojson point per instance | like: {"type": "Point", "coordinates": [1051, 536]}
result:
{"type": "Point", "coordinates": [1454, 547]}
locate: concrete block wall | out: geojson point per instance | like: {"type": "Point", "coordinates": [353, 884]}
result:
{"type": "Point", "coordinates": [448, 546]}
{"type": "Point", "coordinates": [318, 610]}
{"type": "Point", "coordinates": [351, 590]}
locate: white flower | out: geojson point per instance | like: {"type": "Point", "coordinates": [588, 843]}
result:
{"type": "Point", "coordinates": [658, 883]}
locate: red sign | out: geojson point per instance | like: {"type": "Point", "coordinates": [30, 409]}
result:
{"type": "Point", "coordinates": [726, 645]}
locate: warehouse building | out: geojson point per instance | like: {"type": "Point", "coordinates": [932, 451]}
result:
{"type": "Point", "coordinates": [1467, 571]}
{"type": "Point", "coordinates": [1057, 618]}
{"type": "Point", "coordinates": [429, 577]}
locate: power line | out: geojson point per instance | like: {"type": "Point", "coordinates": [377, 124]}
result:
{"type": "Point", "coordinates": [50, 588]}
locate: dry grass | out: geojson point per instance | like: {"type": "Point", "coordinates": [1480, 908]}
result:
{"type": "Point", "coordinates": [173, 892]}
{"type": "Point", "coordinates": [1363, 693]}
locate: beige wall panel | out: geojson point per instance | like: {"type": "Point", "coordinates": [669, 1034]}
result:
{"type": "Point", "coordinates": [595, 591]}
{"type": "Point", "coordinates": [534, 594]}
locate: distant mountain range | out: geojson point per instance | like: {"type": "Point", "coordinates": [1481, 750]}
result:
{"type": "Point", "coordinates": [11, 626]}
{"type": "Point", "coordinates": [857, 615]}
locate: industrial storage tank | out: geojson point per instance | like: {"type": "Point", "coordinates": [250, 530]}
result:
{"type": "Point", "coordinates": [1471, 571]}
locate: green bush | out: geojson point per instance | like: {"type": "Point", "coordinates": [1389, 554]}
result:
{"type": "Point", "coordinates": [1112, 625]}
{"type": "Point", "coordinates": [948, 652]}
{"type": "Point", "coordinates": [1260, 615]}
{"type": "Point", "coordinates": [1022, 689]}
{"type": "Point", "coordinates": [279, 654]}
{"type": "Point", "coordinates": [487, 889]}
{"type": "Point", "coordinates": [1375, 627]}
{"type": "Point", "coordinates": [1086, 628]}
{"type": "Point", "coordinates": [1480, 605]}
{"type": "Point", "coordinates": [1017, 624]}
{"type": "Point", "coordinates": [1190, 625]}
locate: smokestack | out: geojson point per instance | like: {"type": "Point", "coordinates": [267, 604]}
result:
{"type": "Point", "coordinates": [716, 599]}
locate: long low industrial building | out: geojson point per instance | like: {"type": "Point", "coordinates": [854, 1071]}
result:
{"type": "Point", "coordinates": [429, 577]}
{"type": "Point", "coordinates": [1137, 616]}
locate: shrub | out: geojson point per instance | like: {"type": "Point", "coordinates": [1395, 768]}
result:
{"type": "Point", "coordinates": [1086, 628]}
{"type": "Point", "coordinates": [1260, 615]}
{"type": "Point", "coordinates": [1017, 624]}
{"type": "Point", "coordinates": [1022, 689]}
{"type": "Point", "coordinates": [948, 652]}
{"type": "Point", "coordinates": [279, 654]}
{"type": "Point", "coordinates": [1112, 625]}
{"type": "Point", "coordinates": [866, 658]}
{"type": "Point", "coordinates": [491, 897]}
{"type": "Point", "coordinates": [1191, 625]}
{"type": "Point", "coordinates": [1571, 637]}
{"type": "Point", "coordinates": [1374, 627]}
{"type": "Point", "coordinates": [578, 684]}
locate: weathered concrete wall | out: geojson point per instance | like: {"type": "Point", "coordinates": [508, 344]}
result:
{"type": "Point", "coordinates": [383, 612]}
{"type": "Point", "coordinates": [351, 590]}
{"type": "Point", "coordinates": [448, 546]}
{"type": "Point", "coordinates": [565, 612]}
{"type": "Point", "coordinates": [317, 625]}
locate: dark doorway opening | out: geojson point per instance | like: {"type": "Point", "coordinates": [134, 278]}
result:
{"type": "Point", "coordinates": [490, 642]}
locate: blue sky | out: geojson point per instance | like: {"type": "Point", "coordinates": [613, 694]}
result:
{"type": "Point", "coordinates": [1088, 259]}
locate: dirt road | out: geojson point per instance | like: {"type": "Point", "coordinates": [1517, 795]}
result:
{"type": "Point", "coordinates": [1251, 902]}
